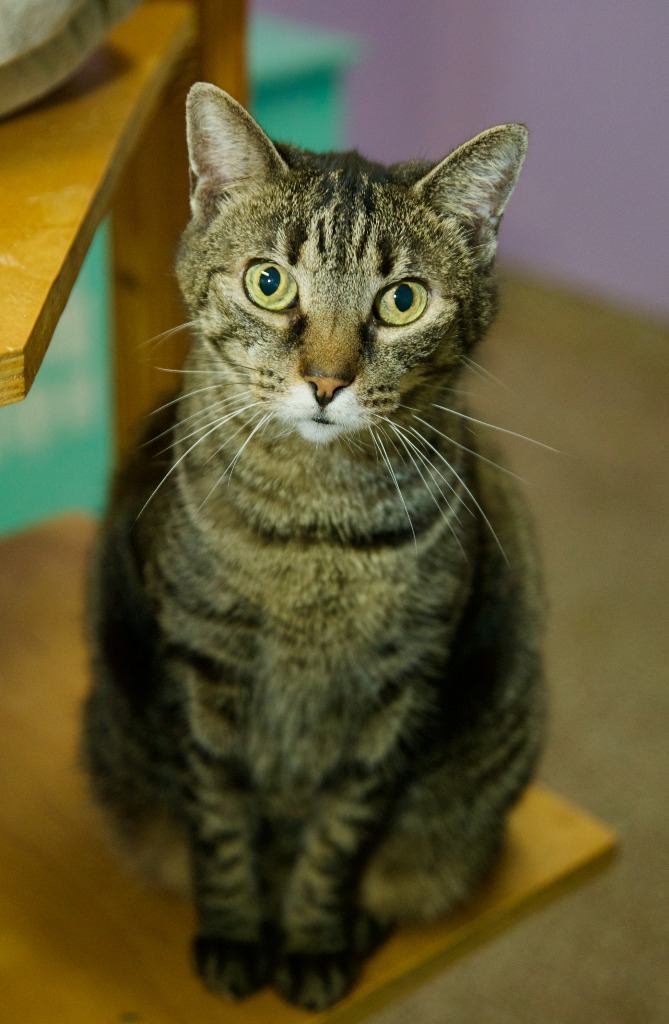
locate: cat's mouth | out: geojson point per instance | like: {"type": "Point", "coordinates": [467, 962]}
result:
{"type": "Point", "coordinates": [319, 429]}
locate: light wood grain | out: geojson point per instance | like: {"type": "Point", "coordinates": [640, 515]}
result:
{"type": "Point", "coordinates": [59, 163]}
{"type": "Point", "coordinates": [82, 942]}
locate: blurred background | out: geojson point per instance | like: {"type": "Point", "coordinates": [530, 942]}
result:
{"type": "Point", "coordinates": [580, 359]}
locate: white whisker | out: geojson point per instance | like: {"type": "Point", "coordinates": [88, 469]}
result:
{"type": "Point", "coordinates": [408, 445]}
{"type": "Point", "coordinates": [229, 469]}
{"type": "Point", "coordinates": [472, 451]}
{"type": "Point", "coordinates": [481, 371]}
{"type": "Point", "coordinates": [211, 372]}
{"type": "Point", "coordinates": [220, 421]}
{"type": "Point", "coordinates": [433, 469]}
{"type": "Point", "coordinates": [178, 398]}
{"type": "Point", "coordinates": [467, 489]}
{"type": "Point", "coordinates": [429, 490]}
{"type": "Point", "coordinates": [380, 447]}
{"type": "Point", "coordinates": [503, 430]}
{"type": "Point", "coordinates": [194, 416]}
{"type": "Point", "coordinates": [167, 334]}
{"type": "Point", "coordinates": [172, 469]}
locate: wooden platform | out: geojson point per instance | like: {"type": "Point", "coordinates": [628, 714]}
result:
{"type": "Point", "coordinates": [59, 164]}
{"type": "Point", "coordinates": [82, 943]}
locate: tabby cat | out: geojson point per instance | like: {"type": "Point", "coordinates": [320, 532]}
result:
{"type": "Point", "coordinates": [315, 608]}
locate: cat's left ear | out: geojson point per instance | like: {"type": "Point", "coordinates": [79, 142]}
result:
{"type": "Point", "coordinates": [475, 182]}
{"type": "Point", "coordinates": [226, 148]}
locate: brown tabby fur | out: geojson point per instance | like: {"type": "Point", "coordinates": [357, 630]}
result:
{"type": "Point", "coordinates": [317, 629]}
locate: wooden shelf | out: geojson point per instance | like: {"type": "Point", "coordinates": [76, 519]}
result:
{"type": "Point", "coordinates": [59, 163]}
{"type": "Point", "coordinates": [80, 941]}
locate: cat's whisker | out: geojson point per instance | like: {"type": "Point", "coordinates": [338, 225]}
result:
{"type": "Point", "coordinates": [467, 489]}
{"type": "Point", "coordinates": [380, 447]}
{"type": "Point", "coordinates": [342, 439]}
{"type": "Point", "coordinates": [391, 441]}
{"type": "Point", "coordinates": [429, 490]}
{"type": "Point", "coordinates": [493, 426]}
{"type": "Point", "coordinates": [432, 469]}
{"type": "Point", "coordinates": [229, 469]}
{"type": "Point", "coordinates": [472, 451]}
{"type": "Point", "coordinates": [481, 371]}
{"type": "Point", "coordinates": [167, 334]}
{"type": "Point", "coordinates": [440, 387]}
{"type": "Point", "coordinates": [241, 366]}
{"type": "Point", "coordinates": [357, 444]}
{"type": "Point", "coordinates": [173, 467]}
{"type": "Point", "coordinates": [209, 373]}
{"type": "Point", "coordinates": [219, 422]}
{"type": "Point", "coordinates": [255, 430]}
{"type": "Point", "coordinates": [412, 456]}
{"type": "Point", "coordinates": [194, 416]}
{"type": "Point", "coordinates": [231, 437]}
{"type": "Point", "coordinates": [188, 394]}
{"type": "Point", "coordinates": [284, 433]}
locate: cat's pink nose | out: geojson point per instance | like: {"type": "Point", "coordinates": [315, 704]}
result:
{"type": "Point", "coordinates": [324, 387]}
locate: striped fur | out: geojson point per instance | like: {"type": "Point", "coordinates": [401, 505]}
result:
{"type": "Point", "coordinates": [316, 632]}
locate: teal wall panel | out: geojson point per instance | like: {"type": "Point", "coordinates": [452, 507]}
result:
{"type": "Point", "coordinates": [55, 448]}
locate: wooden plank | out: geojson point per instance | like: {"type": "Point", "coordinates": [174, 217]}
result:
{"type": "Point", "coordinates": [222, 45]}
{"type": "Point", "coordinates": [80, 941]}
{"type": "Point", "coordinates": [149, 212]}
{"type": "Point", "coordinates": [59, 163]}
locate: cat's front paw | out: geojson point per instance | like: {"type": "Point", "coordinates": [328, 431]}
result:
{"type": "Point", "coordinates": [316, 980]}
{"type": "Point", "coordinates": [229, 968]}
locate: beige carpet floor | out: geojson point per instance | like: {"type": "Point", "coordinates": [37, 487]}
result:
{"type": "Point", "coordinates": [593, 382]}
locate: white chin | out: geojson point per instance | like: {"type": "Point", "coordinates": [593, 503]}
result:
{"type": "Point", "coordinates": [318, 433]}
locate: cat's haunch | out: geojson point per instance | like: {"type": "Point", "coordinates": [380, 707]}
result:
{"type": "Point", "coordinates": [315, 608]}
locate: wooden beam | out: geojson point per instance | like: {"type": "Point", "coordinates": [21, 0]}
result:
{"type": "Point", "coordinates": [150, 212]}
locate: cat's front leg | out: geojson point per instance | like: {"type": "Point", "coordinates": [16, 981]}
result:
{"type": "Point", "coordinates": [231, 952]}
{"type": "Point", "coordinates": [325, 938]}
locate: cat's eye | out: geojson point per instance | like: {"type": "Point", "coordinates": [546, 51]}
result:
{"type": "Point", "coordinates": [270, 286]}
{"type": "Point", "coordinates": [401, 303]}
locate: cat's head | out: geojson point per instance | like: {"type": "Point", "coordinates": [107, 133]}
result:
{"type": "Point", "coordinates": [335, 285]}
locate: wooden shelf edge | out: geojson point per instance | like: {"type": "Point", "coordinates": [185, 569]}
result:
{"type": "Point", "coordinates": [20, 360]}
{"type": "Point", "coordinates": [13, 386]}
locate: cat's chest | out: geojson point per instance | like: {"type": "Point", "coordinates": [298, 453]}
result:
{"type": "Point", "coordinates": [322, 621]}
{"type": "Point", "coordinates": [297, 733]}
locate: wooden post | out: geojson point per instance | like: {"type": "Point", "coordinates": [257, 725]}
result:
{"type": "Point", "coordinates": [149, 213]}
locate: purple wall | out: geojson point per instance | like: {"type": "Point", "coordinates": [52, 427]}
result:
{"type": "Point", "coordinates": [590, 79]}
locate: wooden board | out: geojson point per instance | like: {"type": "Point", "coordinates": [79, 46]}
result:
{"type": "Point", "coordinates": [59, 163]}
{"type": "Point", "coordinates": [80, 941]}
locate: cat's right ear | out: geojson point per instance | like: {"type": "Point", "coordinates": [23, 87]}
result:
{"type": "Point", "coordinates": [226, 148]}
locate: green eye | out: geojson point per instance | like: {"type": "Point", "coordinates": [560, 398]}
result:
{"type": "Point", "coordinates": [270, 286]}
{"type": "Point", "coordinates": [401, 303]}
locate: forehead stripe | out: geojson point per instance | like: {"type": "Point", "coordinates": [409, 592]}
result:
{"type": "Point", "coordinates": [296, 236]}
{"type": "Point", "coordinates": [321, 236]}
{"type": "Point", "coordinates": [386, 257]}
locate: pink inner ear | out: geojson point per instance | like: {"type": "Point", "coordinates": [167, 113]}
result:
{"type": "Point", "coordinates": [476, 181]}
{"type": "Point", "coordinates": [225, 143]}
